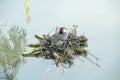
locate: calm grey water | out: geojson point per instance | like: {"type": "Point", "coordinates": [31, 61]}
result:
{"type": "Point", "coordinates": [98, 19]}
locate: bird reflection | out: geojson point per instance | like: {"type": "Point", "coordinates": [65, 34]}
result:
{"type": "Point", "coordinates": [12, 44]}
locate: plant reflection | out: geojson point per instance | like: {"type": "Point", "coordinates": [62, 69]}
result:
{"type": "Point", "coordinates": [12, 44]}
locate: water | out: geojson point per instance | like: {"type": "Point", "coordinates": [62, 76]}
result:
{"type": "Point", "coordinates": [99, 20]}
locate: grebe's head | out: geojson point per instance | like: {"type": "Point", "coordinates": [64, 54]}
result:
{"type": "Point", "coordinates": [61, 30]}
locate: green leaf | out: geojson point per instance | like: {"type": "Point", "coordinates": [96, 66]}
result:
{"type": "Point", "coordinates": [27, 10]}
{"type": "Point", "coordinates": [28, 19]}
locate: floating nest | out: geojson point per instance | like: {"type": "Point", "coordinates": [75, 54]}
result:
{"type": "Point", "coordinates": [62, 54]}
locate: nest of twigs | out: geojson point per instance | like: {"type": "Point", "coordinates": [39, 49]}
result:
{"type": "Point", "coordinates": [62, 54]}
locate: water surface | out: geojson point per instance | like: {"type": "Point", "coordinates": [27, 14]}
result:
{"type": "Point", "coordinates": [98, 19]}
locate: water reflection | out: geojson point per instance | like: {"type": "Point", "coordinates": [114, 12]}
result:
{"type": "Point", "coordinates": [12, 44]}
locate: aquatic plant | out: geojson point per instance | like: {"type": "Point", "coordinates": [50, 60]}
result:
{"type": "Point", "coordinates": [12, 44]}
{"type": "Point", "coordinates": [27, 10]}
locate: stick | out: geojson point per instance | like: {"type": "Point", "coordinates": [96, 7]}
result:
{"type": "Point", "coordinates": [50, 31]}
{"type": "Point", "coordinates": [93, 62]}
{"type": "Point", "coordinates": [80, 59]}
{"type": "Point", "coordinates": [93, 56]}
